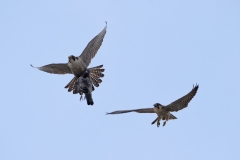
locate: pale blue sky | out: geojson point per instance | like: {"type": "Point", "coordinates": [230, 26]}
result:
{"type": "Point", "coordinates": [154, 51]}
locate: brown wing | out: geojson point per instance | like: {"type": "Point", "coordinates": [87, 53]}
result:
{"type": "Point", "coordinates": [59, 68]}
{"type": "Point", "coordinates": [143, 110]}
{"type": "Point", "coordinates": [91, 50]}
{"type": "Point", "coordinates": [182, 102]}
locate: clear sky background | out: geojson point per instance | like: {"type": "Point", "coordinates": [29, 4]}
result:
{"type": "Point", "coordinates": [154, 51]}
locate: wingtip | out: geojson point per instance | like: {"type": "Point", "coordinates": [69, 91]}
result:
{"type": "Point", "coordinates": [106, 113]}
{"type": "Point", "coordinates": [196, 85]}
{"type": "Point", "coordinates": [32, 66]}
{"type": "Point", "coordinates": [106, 25]}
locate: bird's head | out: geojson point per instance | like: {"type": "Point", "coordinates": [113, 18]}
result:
{"type": "Point", "coordinates": [86, 73]}
{"type": "Point", "coordinates": [71, 58]}
{"type": "Point", "coordinates": [158, 106]}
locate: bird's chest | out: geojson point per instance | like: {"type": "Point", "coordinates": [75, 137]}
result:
{"type": "Point", "coordinates": [160, 112]}
{"type": "Point", "coordinates": [77, 67]}
{"type": "Point", "coordinates": [84, 85]}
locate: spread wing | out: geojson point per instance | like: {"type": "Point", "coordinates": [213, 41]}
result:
{"type": "Point", "coordinates": [91, 50]}
{"type": "Point", "coordinates": [143, 110]}
{"type": "Point", "coordinates": [182, 102]}
{"type": "Point", "coordinates": [59, 68]}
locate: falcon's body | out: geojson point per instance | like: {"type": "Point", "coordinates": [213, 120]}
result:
{"type": "Point", "coordinates": [84, 85]}
{"type": "Point", "coordinates": [77, 65]}
{"type": "Point", "coordinates": [163, 112]}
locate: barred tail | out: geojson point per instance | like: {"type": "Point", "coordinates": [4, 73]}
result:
{"type": "Point", "coordinates": [172, 116]}
{"type": "Point", "coordinates": [95, 74]}
{"type": "Point", "coordinates": [71, 84]}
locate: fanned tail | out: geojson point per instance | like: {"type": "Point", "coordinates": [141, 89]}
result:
{"type": "Point", "coordinates": [95, 74]}
{"type": "Point", "coordinates": [95, 80]}
{"type": "Point", "coordinates": [70, 83]}
{"type": "Point", "coordinates": [172, 117]}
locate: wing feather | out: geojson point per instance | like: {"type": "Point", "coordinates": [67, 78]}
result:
{"type": "Point", "coordinates": [183, 101]}
{"type": "Point", "coordinates": [59, 68]}
{"type": "Point", "coordinates": [143, 110]}
{"type": "Point", "coordinates": [91, 49]}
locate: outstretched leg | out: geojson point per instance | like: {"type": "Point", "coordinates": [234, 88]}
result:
{"type": "Point", "coordinates": [155, 121]}
{"type": "Point", "coordinates": [164, 123]}
{"type": "Point", "coordinates": [158, 123]}
{"type": "Point", "coordinates": [81, 97]}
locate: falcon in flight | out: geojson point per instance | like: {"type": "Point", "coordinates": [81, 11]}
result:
{"type": "Point", "coordinates": [77, 65]}
{"type": "Point", "coordinates": [162, 111]}
{"type": "Point", "coordinates": [84, 85]}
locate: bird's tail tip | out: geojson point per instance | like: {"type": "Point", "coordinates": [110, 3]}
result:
{"type": "Point", "coordinates": [90, 103]}
{"type": "Point", "coordinates": [172, 117]}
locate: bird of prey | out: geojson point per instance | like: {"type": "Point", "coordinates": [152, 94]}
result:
{"type": "Point", "coordinates": [84, 85]}
{"type": "Point", "coordinates": [77, 65]}
{"type": "Point", "coordinates": [162, 111]}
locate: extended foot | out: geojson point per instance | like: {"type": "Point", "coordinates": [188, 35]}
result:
{"type": "Point", "coordinates": [154, 121]}
{"type": "Point", "coordinates": [164, 123]}
{"type": "Point", "coordinates": [81, 97]}
{"type": "Point", "coordinates": [158, 124]}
